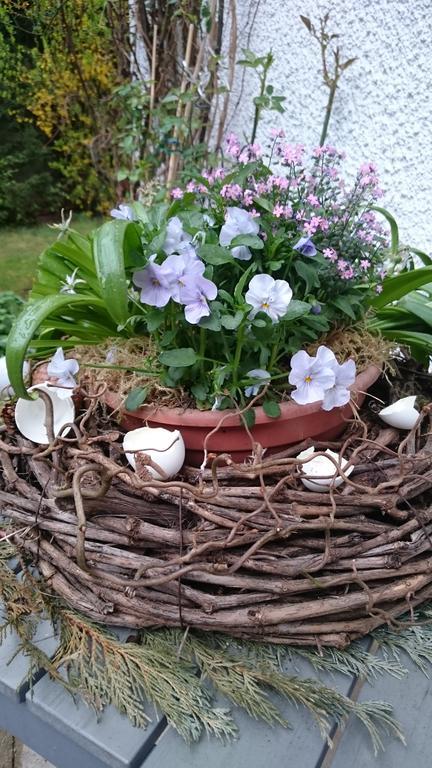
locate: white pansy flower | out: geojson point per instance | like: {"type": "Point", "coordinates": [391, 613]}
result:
{"type": "Point", "coordinates": [312, 376]}
{"type": "Point", "coordinates": [238, 222]}
{"type": "Point", "coordinates": [265, 294]}
{"type": "Point", "coordinates": [339, 394]}
{"type": "Point", "coordinates": [176, 240]}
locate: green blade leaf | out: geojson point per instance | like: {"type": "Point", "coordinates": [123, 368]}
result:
{"type": "Point", "coordinates": [394, 231]}
{"type": "Point", "coordinates": [25, 327]}
{"type": "Point", "coordinates": [179, 358]}
{"type": "Point", "coordinates": [396, 287]}
{"type": "Point", "coordinates": [109, 260]}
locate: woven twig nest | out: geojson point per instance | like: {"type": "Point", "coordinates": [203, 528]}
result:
{"type": "Point", "coordinates": [243, 549]}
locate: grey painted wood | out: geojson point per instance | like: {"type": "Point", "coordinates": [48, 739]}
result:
{"type": "Point", "coordinates": [14, 666]}
{"type": "Point", "coordinates": [412, 702]}
{"type": "Point", "coordinates": [259, 745]}
{"type": "Point", "coordinates": [108, 737]}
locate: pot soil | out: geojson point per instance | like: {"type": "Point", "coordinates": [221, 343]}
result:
{"type": "Point", "coordinates": [295, 424]}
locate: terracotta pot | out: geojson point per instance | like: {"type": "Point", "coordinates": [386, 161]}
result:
{"type": "Point", "coordinates": [296, 423]}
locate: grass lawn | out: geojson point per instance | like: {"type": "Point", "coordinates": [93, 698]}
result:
{"type": "Point", "coordinates": [20, 248]}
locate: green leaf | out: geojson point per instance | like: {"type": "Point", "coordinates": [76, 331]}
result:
{"type": "Point", "coordinates": [238, 290]}
{"type": "Point", "coordinates": [396, 287]}
{"type": "Point", "coordinates": [272, 409]}
{"type": "Point", "coordinates": [249, 418]}
{"type": "Point", "coordinates": [308, 273]}
{"type": "Point", "coordinates": [344, 304]}
{"type": "Point", "coordinates": [135, 398]}
{"type": "Point", "coordinates": [179, 358]}
{"type": "Point", "coordinates": [215, 254]}
{"type": "Point", "coordinates": [109, 260]}
{"type": "Point", "coordinates": [154, 320]}
{"type": "Point", "coordinates": [231, 322]}
{"type": "Point", "coordinates": [295, 310]}
{"type": "Point", "coordinates": [394, 231]}
{"type": "Point", "coordinates": [26, 326]}
{"type": "Point", "coordinates": [211, 322]}
{"type": "Point", "coordinates": [425, 258]}
{"type": "Point", "coordinates": [251, 241]}
{"type": "Point", "coordinates": [263, 203]}
{"type": "Point", "coordinates": [199, 391]}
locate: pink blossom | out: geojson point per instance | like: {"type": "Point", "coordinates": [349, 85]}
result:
{"type": "Point", "coordinates": [313, 200]}
{"type": "Point", "coordinates": [277, 133]}
{"type": "Point", "coordinates": [232, 191]}
{"type": "Point", "coordinates": [342, 265]}
{"type": "Point", "coordinates": [177, 193]}
{"type": "Point", "coordinates": [324, 224]}
{"type": "Point", "coordinates": [292, 153]}
{"type": "Point", "coordinates": [367, 168]}
{"type": "Point", "coordinates": [261, 188]}
{"type": "Point", "coordinates": [278, 210]}
{"type": "Point", "coordinates": [365, 263]}
{"type": "Point", "coordinates": [330, 254]}
{"type": "Point", "coordinates": [379, 289]}
{"type": "Point", "coordinates": [310, 227]}
{"type": "Point", "coordinates": [190, 186]}
{"type": "Point", "coordinates": [232, 145]}
{"type": "Point", "coordinates": [347, 274]}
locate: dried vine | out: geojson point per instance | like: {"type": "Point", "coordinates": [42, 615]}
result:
{"type": "Point", "coordinates": [251, 552]}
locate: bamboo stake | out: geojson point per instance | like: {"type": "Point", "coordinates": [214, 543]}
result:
{"type": "Point", "coordinates": [172, 168]}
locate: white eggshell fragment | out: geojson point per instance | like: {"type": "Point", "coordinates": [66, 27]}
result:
{"type": "Point", "coordinates": [6, 390]}
{"type": "Point", "coordinates": [30, 414]}
{"type": "Point", "coordinates": [166, 448]}
{"type": "Point", "coordinates": [322, 469]}
{"type": "Point", "coordinates": [401, 414]}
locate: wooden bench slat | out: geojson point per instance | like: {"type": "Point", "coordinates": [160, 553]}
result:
{"type": "Point", "coordinates": [259, 745]}
{"type": "Point", "coordinates": [411, 699]}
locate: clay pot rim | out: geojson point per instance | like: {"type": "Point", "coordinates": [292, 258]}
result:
{"type": "Point", "coordinates": [184, 417]}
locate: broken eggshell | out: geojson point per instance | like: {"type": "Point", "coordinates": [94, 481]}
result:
{"type": "Point", "coordinates": [30, 414]}
{"type": "Point", "coordinates": [6, 390]}
{"type": "Point", "coordinates": [322, 469]}
{"type": "Point", "coordinates": [165, 448]}
{"type": "Point", "coordinates": [401, 414]}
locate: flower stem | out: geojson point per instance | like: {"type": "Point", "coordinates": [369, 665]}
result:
{"type": "Point", "coordinates": [238, 351]}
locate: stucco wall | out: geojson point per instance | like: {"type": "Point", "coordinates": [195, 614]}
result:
{"type": "Point", "coordinates": [383, 110]}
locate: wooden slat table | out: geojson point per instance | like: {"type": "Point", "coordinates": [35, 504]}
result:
{"type": "Point", "coordinates": [67, 733]}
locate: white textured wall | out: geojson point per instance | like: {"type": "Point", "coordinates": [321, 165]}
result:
{"type": "Point", "coordinates": [383, 109]}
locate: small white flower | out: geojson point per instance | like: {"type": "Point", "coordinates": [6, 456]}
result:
{"type": "Point", "coordinates": [312, 376]}
{"type": "Point", "coordinates": [63, 371]}
{"type": "Point", "coordinates": [238, 222]}
{"type": "Point", "coordinates": [268, 295]}
{"type": "Point", "coordinates": [69, 283]}
{"type": "Point", "coordinates": [124, 212]}
{"type": "Point", "coordinates": [176, 240]}
{"type": "Point", "coordinates": [339, 394]}
{"type": "Point", "coordinates": [262, 376]}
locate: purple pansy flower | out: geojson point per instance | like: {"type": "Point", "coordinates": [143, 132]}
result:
{"type": "Point", "coordinates": [154, 281]}
{"type": "Point", "coordinates": [194, 295]}
{"type": "Point", "coordinates": [305, 246]}
{"type": "Point", "coordinates": [181, 266]}
{"type": "Point", "coordinates": [311, 376]}
{"type": "Point", "coordinates": [339, 394]}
